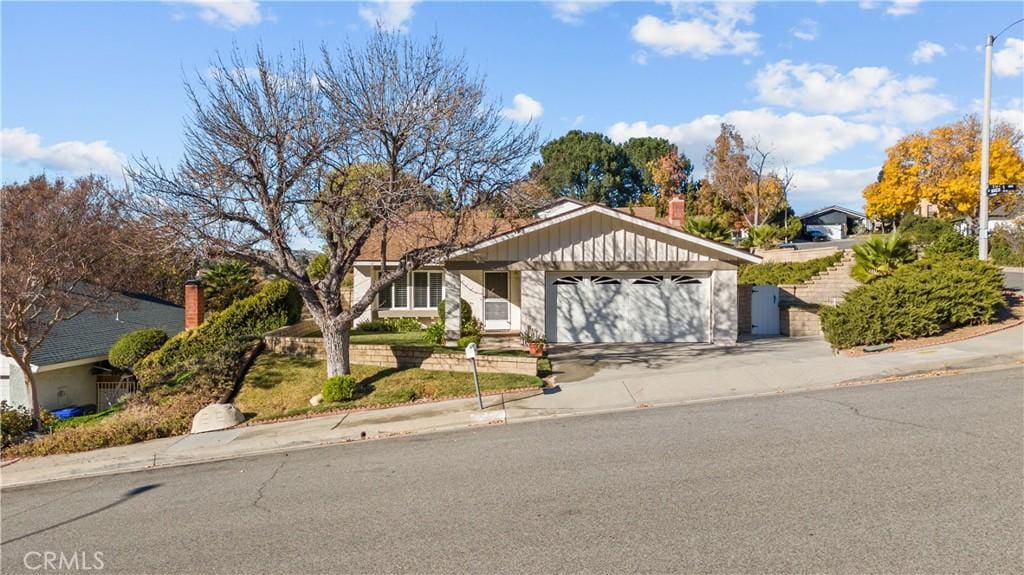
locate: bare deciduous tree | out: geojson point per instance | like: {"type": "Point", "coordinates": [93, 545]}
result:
{"type": "Point", "coordinates": [65, 251]}
{"type": "Point", "coordinates": [390, 135]}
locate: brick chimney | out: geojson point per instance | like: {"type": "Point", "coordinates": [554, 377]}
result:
{"type": "Point", "coordinates": [195, 307]}
{"type": "Point", "coordinates": [677, 210]}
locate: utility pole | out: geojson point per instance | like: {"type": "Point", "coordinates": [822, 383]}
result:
{"type": "Point", "coordinates": [985, 136]}
{"type": "Point", "coordinates": [986, 125]}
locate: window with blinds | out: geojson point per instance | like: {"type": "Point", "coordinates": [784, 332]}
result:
{"type": "Point", "coordinates": [427, 291]}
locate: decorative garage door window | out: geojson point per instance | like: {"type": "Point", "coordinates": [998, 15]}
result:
{"type": "Point", "coordinates": [568, 281]}
{"type": "Point", "coordinates": [605, 280]}
{"type": "Point", "coordinates": [648, 280]}
{"type": "Point", "coordinates": [680, 280]}
{"type": "Point", "coordinates": [576, 280]}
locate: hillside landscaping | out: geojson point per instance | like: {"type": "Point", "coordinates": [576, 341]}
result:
{"type": "Point", "coordinates": [280, 386]}
{"type": "Point", "coordinates": [786, 273]}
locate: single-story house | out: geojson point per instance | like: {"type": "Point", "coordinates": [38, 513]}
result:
{"type": "Point", "coordinates": [70, 365]}
{"type": "Point", "coordinates": [575, 272]}
{"type": "Point", "coordinates": [998, 217]}
{"type": "Point", "coordinates": [835, 221]}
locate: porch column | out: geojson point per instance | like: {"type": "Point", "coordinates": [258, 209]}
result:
{"type": "Point", "coordinates": [532, 304]}
{"type": "Point", "coordinates": [452, 297]}
{"type": "Point", "coordinates": [724, 315]}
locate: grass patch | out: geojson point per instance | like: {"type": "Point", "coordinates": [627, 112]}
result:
{"type": "Point", "coordinates": [415, 339]}
{"type": "Point", "coordinates": [786, 273]}
{"type": "Point", "coordinates": [83, 420]}
{"type": "Point", "coordinates": [280, 386]}
{"type": "Point", "coordinates": [544, 368]}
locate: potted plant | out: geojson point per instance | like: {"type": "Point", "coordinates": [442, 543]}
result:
{"type": "Point", "coordinates": [534, 341]}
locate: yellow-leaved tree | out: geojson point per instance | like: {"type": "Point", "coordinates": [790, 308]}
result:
{"type": "Point", "coordinates": [944, 167]}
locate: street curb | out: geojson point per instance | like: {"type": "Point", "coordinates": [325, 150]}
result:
{"type": "Point", "coordinates": [479, 421]}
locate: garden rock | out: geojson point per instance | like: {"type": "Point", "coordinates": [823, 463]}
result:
{"type": "Point", "coordinates": [216, 416]}
{"type": "Point", "coordinates": [316, 399]}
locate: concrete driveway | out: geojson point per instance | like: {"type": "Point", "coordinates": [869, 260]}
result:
{"type": "Point", "coordinates": [634, 361]}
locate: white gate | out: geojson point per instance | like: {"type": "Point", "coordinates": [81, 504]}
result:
{"type": "Point", "coordinates": [764, 310]}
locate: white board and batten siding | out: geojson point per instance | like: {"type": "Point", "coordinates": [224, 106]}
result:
{"type": "Point", "coordinates": [593, 237]}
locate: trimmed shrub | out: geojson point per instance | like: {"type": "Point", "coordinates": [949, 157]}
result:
{"type": "Point", "coordinates": [340, 388]}
{"type": "Point", "coordinates": [276, 305]}
{"type": "Point", "coordinates": [468, 339]}
{"type": "Point", "coordinates": [469, 325]}
{"type": "Point", "coordinates": [225, 282]}
{"type": "Point", "coordinates": [15, 423]}
{"type": "Point", "coordinates": [952, 244]}
{"type": "Point", "coordinates": [786, 273]}
{"type": "Point", "coordinates": [922, 231]}
{"type": "Point", "coordinates": [919, 299]}
{"type": "Point", "coordinates": [132, 347]}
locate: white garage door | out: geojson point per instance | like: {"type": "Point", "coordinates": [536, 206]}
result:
{"type": "Point", "coordinates": [639, 307]}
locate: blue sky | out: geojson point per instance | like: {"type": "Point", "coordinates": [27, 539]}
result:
{"type": "Point", "coordinates": [826, 85]}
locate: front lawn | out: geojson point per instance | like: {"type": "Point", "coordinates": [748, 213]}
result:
{"type": "Point", "coordinates": [413, 339]}
{"type": "Point", "coordinates": [280, 386]}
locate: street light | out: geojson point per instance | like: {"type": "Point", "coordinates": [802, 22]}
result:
{"type": "Point", "coordinates": [985, 137]}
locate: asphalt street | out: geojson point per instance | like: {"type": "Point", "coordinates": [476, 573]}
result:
{"type": "Point", "coordinates": [919, 476]}
{"type": "Point", "coordinates": [1014, 280]}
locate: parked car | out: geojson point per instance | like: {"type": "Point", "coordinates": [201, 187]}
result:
{"type": "Point", "coordinates": [817, 236]}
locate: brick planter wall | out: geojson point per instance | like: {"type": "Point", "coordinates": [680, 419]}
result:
{"type": "Point", "coordinates": [799, 322]}
{"type": "Point", "coordinates": [403, 356]}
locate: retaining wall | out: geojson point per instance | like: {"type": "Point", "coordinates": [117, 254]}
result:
{"type": "Point", "coordinates": [403, 356]}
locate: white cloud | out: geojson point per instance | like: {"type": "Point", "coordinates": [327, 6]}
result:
{"type": "Point", "coordinates": [806, 30]}
{"type": "Point", "coordinates": [391, 15]}
{"type": "Point", "coordinates": [1010, 111]}
{"type": "Point", "coordinates": [902, 7]}
{"type": "Point", "coordinates": [578, 120]}
{"type": "Point", "coordinates": [873, 93]}
{"type": "Point", "coordinates": [821, 187]}
{"type": "Point", "coordinates": [230, 14]}
{"type": "Point", "coordinates": [706, 31]}
{"type": "Point", "coordinates": [796, 139]}
{"type": "Point", "coordinates": [23, 147]}
{"type": "Point", "coordinates": [524, 109]}
{"type": "Point", "coordinates": [926, 52]}
{"type": "Point", "coordinates": [894, 8]}
{"type": "Point", "coordinates": [574, 12]}
{"type": "Point", "coordinates": [1010, 60]}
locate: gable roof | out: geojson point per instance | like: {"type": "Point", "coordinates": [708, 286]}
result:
{"type": "Point", "coordinates": [724, 252]}
{"type": "Point", "coordinates": [91, 334]}
{"type": "Point", "coordinates": [833, 208]}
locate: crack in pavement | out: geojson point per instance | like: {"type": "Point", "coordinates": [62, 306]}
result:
{"type": "Point", "coordinates": [856, 411]}
{"type": "Point", "coordinates": [259, 490]}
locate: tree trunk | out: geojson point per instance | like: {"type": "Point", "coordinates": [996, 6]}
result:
{"type": "Point", "coordinates": [30, 386]}
{"type": "Point", "coordinates": [336, 348]}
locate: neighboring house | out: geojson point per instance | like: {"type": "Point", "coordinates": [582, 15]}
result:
{"type": "Point", "coordinates": [74, 355]}
{"type": "Point", "coordinates": [926, 209]}
{"type": "Point", "coordinates": [835, 221]}
{"type": "Point", "coordinates": [998, 217]}
{"type": "Point", "coordinates": [575, 273]}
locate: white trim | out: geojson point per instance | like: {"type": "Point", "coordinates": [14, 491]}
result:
{"type": "Point", "coordinates": [647, 224]}
{"type": "Point", "coordinates": [72, 363]}
{"type": "Point", "coordinates": [846, 211]}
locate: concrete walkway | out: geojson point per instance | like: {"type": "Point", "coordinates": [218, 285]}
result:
{"type": "Point", "coordinates": [620, 380]}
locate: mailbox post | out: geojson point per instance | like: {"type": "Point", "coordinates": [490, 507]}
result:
{"type": "Point", "coordinates": [471, 356]}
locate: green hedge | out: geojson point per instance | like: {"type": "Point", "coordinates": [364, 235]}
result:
{"type": "Point", "coordinates": [786, 273]}
{"type": "Point", "coordinates": [920, 299]}
{"type": "Point", "coordinates": [276, 305]}
{"type": "Point", "coordinates": [132, 347]}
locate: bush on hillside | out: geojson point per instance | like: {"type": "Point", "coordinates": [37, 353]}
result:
{"type": "Point", "coordinates": [276, 305]}
{"type": "Point", "coordinates": [921, 231]}
{"type": "Point", "coordinates": [15, 423]}
{"type": "Point", "coordinates": [132, 347]}
{"type": "Point", "coordinates": [707, 227]}
{"type": "Point", "coordinates": [952, 244]}
{"type": "Point", "coordinates": [227, 281]}
{"type": "Point", "coordinates": [786, 273]}
{"type": "Point", "coordinates": [339, 388]}
{"type": "Point", "coordinates": [919, 299]}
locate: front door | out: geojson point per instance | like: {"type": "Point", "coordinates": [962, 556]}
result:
{"type": "Point", "coordinates": [497, 316]}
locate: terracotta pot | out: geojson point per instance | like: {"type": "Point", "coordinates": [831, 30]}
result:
{"type": "Point", "coordinates": [536, 348]}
